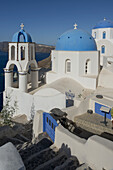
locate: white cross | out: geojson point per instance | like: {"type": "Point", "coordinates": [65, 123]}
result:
{"type": "Point", "coordinates": [22, 26]}
{"type": "Point", "coordinates": [75, 26]}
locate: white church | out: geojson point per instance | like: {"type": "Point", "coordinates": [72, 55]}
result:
{"type": "Point", "coordinates": [81, 64]}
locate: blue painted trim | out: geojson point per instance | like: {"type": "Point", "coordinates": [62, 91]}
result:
{"type": "Point", "coordinates": [98, 111]}
{"type": "Point", "coordinates": [49, 125]}
{"type": "Point", "coordinates": [104, 35]}
{"type": "Point", "coordinates": [103, 49]}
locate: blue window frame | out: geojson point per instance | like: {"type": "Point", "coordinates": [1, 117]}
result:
{"type": "Point", "coordinates": [103, 49]}
{"type": "Point", "coordinates": [104, 35]}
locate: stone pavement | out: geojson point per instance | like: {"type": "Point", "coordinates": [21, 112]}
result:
{"type": "Point", "coordinates": [94, 123]}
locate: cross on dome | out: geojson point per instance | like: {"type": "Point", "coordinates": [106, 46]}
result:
{"type": "Point", "coordinates": [22, 26]}
{"type": "Point", "coordinates": [75, 26]}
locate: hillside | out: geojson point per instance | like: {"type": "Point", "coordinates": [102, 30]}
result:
{"type": "Point", "coordinates": [41, 48]}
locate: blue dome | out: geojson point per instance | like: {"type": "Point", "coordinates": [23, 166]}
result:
{"type": "Point", "coordinates": [26, 36]}
{"type": "Point", "coordinates": [76, 40]}
{"type": "Point", "coordinates": [104, 24]}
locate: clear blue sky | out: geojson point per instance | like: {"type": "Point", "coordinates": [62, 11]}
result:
{"type": "Point", "coordinates": [46, 20]}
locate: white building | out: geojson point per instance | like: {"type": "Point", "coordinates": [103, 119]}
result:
{"type": "Point", "coordinates": [103, 34]}
{"type": "Point", "coordinates": [75, 57]}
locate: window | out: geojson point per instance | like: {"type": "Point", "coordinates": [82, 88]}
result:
{"type": "Point", "coordinates": [95, 35]}
{"type": "Point", "coordinates": [104, 35]}
{"type": "Point", "coordinates": [103, 49]}
{"type": "Point", "coordinates": [88, 66]}
{"type": "Point", "coordinates": [47, 119]}
{"type": "Point", "coordinates": [13, 53]}
{"type": "Point", "coordinates": [52, 125]}
{"type": "Point", "coordinates": [68, 66]}
{"type": "Point", "coordinates": [49, 122]}
{"type": "Point", "coordinates": [22, 53]}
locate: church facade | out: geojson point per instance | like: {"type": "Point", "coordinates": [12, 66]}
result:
{"type": "Point", "coordinates": [76, 56]}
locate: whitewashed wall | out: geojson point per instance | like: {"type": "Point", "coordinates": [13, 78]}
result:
{"type": "Point", "coordinates": [27, 102]}
{"type": "Point", "coordinates": [96, 151]}
{"type": "Point", "coordinates": [78, 60]}
{"type": "Point", "coordinates": [99, 33]}
{"type": "Point", "coordinates": [107, 42]}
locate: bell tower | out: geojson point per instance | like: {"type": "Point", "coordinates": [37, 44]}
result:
{"type": "Point", "coordinates": [21, 65]}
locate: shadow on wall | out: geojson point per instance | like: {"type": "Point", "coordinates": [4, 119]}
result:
{"type": "Point", "coordinates": [65, 148]}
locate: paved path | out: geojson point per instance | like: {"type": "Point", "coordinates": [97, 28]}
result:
{"type": "Point", "coordinates": [93, 123]}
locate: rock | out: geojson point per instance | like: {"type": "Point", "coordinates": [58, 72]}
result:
{"type": "Point", "coordinates": [70, 163]}
{"type": "Point", "coordinates": [18, 134]}
{"type": "Point", "coordinates": [10, 158]}
{"type": "Point", "coordinates": [14, 140]}
{"type": "Point", "coordinates": [19, 129]}
{"type": "Point", "coordinates": [6, 131]}
{"type": "Point", "coordinates": [20, 119]}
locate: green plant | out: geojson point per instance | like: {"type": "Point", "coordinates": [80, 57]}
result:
{"type": "Point", "coordinates": [79, 95]}
{"type": "Point", "coordinates": [112, 112]}
{"type": "Point", "coordinates": [32, 110]}
{"type": "Point", "coordinates": [8, 111]}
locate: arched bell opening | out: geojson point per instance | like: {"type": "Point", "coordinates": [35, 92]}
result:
{"type": "Point", "coordinates": [21, 38]}
{"type": "Point", "coordinates": [32, 76]}
{"type": "Point", "coordinates": [22, 53]}
{"type": "Point", "coordinates": [13, 52]}
{"type": "Point", "coordinates": [15, 76]}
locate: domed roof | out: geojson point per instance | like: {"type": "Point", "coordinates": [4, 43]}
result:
{"type": "Point", "coordinates": [104, 24]}
{"type": "Point", "coordinates": [76, 40]}
{"type": "Point", "coordinates": [17, 35]}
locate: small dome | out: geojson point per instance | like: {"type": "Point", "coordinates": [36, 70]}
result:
{"type": "Point", "coordinates": [104, 24]}
{"type": "Point", "coordinates": [26, 36]}
{"type": "Point", "coordinates": [76, 40]}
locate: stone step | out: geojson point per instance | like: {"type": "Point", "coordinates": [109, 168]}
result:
{"type": "Point", "coordinates": [34, 148]}
{"type": "Point", "coordinates": [53, 162]}
{"type": "Point", "coordinates": [40, 158]}
{"type": "Point", "coordinates": [71, 163]}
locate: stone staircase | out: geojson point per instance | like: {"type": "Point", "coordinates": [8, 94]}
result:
{"type": "Point", "coordinates": [41, 153]}
{"type": "Point", "coordinates": [45, 156]}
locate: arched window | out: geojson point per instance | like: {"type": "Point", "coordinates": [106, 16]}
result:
{"type": "Point", "coordinates": [104, 35]}
{"type": "Point", "coordinates": [22, 53]}
{"type": "Point", "coordinates": [68, 66]}
{"type": "Point", "coordinates": [88, 66]}
{"type": "Point", "coordinates": [95, 35]}
{"type": "Point", "coordinates": [13, 53]}
{"type": "Point", "coordinates": [103, 49]}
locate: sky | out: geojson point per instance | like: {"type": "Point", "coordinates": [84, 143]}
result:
{"type": "Point", "coordinates": [46, 20]}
